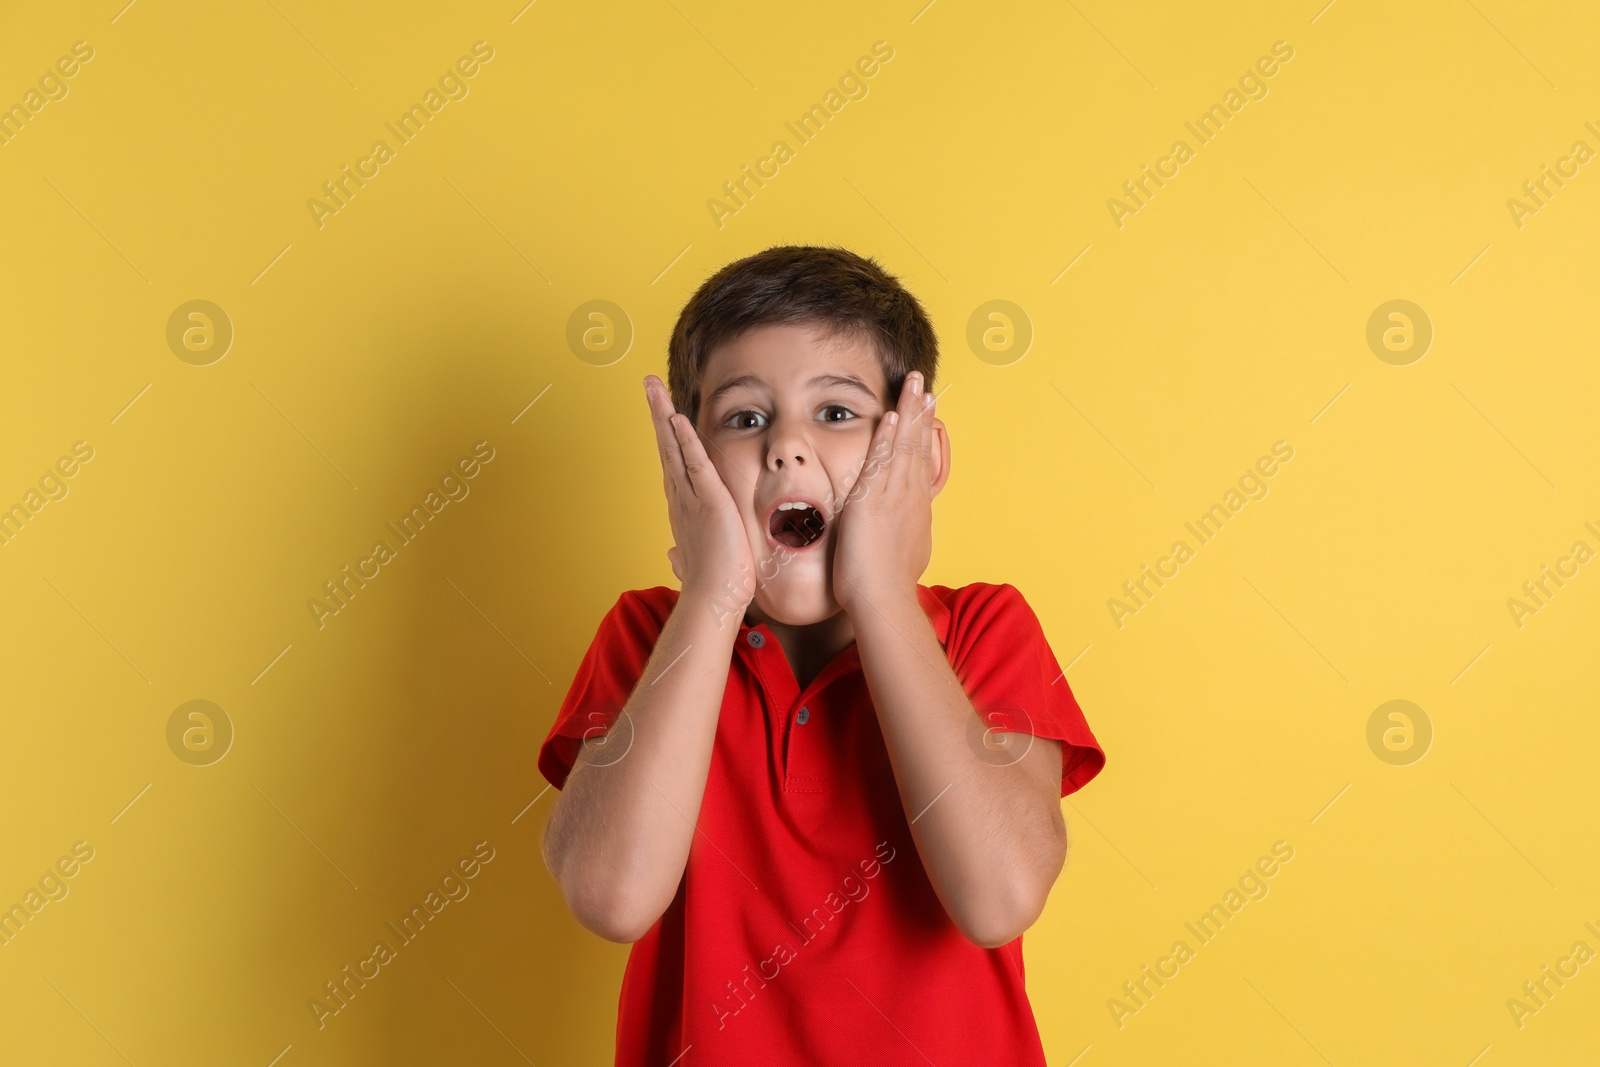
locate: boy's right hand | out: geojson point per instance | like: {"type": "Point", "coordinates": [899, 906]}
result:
{"type": "Point", "coordinates": [711, 553]}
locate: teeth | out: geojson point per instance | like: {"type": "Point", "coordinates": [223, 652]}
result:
{"type": "Point", "coordinates": [791, 505]}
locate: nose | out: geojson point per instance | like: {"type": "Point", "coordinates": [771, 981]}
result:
{"type": "Point", "coordinates": [788, 444]}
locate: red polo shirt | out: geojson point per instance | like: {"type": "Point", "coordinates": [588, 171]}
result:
{"type": "Point", "coordinates": [805, 930]}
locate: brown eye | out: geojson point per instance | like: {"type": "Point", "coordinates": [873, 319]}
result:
{"type": "Point", "coordinates": [736, 421]}
{"type": "Point", "coordinates": [842, 410]}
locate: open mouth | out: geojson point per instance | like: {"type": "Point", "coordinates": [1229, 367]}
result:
{"type": "Point", "coordinates": [796, 524]}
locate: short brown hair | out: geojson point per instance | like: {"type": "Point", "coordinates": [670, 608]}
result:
{"type": "Point", "coordinates": [834, 288]}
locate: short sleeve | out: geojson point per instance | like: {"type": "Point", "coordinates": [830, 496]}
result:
{"type": "Point", "coordinates": [998, 651]}
{"type": "Point", "coordinates": [612, 666]}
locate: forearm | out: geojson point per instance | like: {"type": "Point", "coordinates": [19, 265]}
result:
{"type": "Point", "coordinates": [990, 839]}
{"type": "Point", "coordinates": [619, 838]}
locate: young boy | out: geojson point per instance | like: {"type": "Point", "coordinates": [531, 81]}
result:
{"type": "Point", "coordinates": [821, 799]}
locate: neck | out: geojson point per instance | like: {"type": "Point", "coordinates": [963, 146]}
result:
{"type": "Point", "coordinates": [809, 647]}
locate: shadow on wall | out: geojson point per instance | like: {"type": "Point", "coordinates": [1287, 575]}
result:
{"type": "Point", "coordinates": [416, 737]}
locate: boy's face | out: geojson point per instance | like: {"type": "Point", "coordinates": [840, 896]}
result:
{"type": "Point", "coordinates": [787, 415]}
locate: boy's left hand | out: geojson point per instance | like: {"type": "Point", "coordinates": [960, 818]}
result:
{"type": "Point", "coordinates": [885, 536]}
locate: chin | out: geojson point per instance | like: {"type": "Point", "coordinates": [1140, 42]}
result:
{"type": "Point", "coordinates": [800, 589]}
{"type": "Point", "coordinates": [795, 603]}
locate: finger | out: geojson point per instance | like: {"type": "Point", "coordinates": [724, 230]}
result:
{"type": "Point", "coordinates": [704, 481]}
{"type": "Point", "coordinates": [892, 467]}
{"type": "Point", "coordinates": [925, 440]}
{"type": "Point", "coordinates": [922, 441]}
{"type": "Point", "coordinates": [874, 463]}
{"type": "Point", "coordinates": [905, 441]}
{"type": "Point", "coordinates": [672, 465]}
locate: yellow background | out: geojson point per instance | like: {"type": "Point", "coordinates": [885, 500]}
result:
{"type": "Point", "coordinates": [430, 312]}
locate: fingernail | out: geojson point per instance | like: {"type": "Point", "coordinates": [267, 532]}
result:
{"type": "Point", "coordinates": [927, 401]}
{"type": "Point", "coordinates": [916, 384]}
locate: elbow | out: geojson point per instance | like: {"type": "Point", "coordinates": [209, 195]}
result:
{"type": "Point", "coordinates": [1007, 912]}
{"type": "Point", "coordinates": [1000, 902]}
{"type": "Point", "coordinates": [602, 914]}
{"type": "Point", "coordinates": [599, 900]}
{"type": "Point", "coordinates": [1014, 901]}
{"type": "Point", "coordinates": [606, 908]}
{"type": "Point", "coordinates": [999, 923]}
{"type": "Point", "coordinates": [986, 938]}
{"type": "Point", "coordinates": [999, 920]}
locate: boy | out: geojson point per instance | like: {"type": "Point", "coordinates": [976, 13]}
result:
{"type": "Point", "coordinates": [821, 799]}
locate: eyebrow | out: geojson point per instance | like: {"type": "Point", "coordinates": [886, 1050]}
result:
{"type": "Point", "coordinates": [823, 381]}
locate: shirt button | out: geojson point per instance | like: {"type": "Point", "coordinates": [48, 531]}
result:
{"type": "Point", "coordinates": [755, 639]}
{"type": "Point", "coordinates": [804, 716]}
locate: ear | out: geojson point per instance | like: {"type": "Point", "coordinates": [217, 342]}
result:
{"type": "Point", "coordinates": [940, 456]}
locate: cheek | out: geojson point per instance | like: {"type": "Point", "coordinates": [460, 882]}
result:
{"type": "Point", "coordinates": [739, 476]}
{"type": "Point", "coordinates": [844, 461]}
{"type": "Point", "coordinates": [735, 463]}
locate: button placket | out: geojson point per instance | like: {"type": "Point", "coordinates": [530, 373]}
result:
{"type": "Point", "coordinates": [800, 775]}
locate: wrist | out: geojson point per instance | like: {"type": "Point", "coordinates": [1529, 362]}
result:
{"type": "Point", "coordinates": [723, 608]}
{"type": "Point", "coordinates": [866, 603]}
